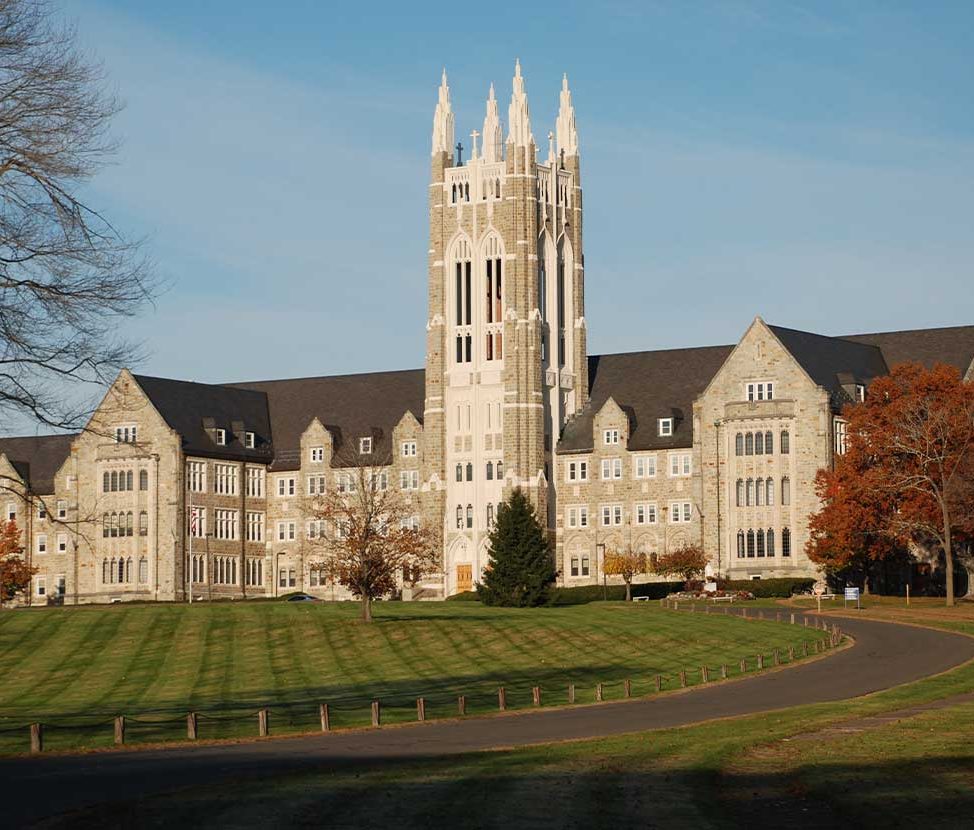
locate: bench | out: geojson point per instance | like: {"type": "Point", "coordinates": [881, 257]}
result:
{"type": "Point", "coordinates": [722, 599]}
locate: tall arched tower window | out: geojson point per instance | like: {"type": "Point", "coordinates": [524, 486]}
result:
{"type": "Point", "coordinates": [462, 301]}
{"type": "Point", "coordinates": [493, 299]}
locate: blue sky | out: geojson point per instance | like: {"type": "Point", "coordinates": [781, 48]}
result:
{"type": "Point", "coordinates": [809, 162]}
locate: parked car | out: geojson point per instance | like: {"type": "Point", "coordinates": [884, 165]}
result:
{"type": "Point", "coordinates": [301, 598]}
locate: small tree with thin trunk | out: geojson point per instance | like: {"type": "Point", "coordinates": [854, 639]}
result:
{"type": "Point", "coordinates": [522, 569]}
{"type": "Point", "coordinates": [625, 563]}
{"type": "Point", "coordinates": [15, 573]}
{"type": "Point", "coordinates": [688, 561]}
{"type": "Point", "coordinates": [366, 535]}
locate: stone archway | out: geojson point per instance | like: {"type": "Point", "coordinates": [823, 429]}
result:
{"type": "Point", "coordinates": [459, 566]}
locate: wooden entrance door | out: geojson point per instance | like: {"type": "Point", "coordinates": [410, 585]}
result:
{"type": "Point", "coordinates": [464, 577]}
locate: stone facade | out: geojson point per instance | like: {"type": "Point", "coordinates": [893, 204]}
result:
{"type": "Point", "coordinates": [177, 490]}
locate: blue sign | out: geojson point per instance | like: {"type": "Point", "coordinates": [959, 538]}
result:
{"type": "Point", "coordinates": [852, 593]}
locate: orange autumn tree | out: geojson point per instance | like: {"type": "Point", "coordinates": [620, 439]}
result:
{"type": "Point", "coordinates": [15, 573]}
{"type": "Point", "coordinates": [688, 561]}
{"type": "Point", "coordinates": [625, 563]}
{"type": "Point", "coordinates": [907, 476]}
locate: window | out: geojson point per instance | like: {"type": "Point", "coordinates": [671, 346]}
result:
{"type": "Point", "coordinates": [769, 442]}
{"type": "Point", "coordinates": [860, 392]}
{"type": "Point", "coordinates": [770, 542]}
{"type": "Point", "coordinates": [785, 541]}
{"type": "Point", "coordinates": [195, 476]}
{"type": "Point", "coordinates": [749, 493]}
{"type": "Point", "coordinates": [759, 443]}
{"type": "Point", "coordinates": [490, 471]}
{"type": "Point", "coordinates": [760, 391]}
{"type": "Point", "coordinates": [143, 523]}
{"type": "Point", "coordinates": [316, 529]}
{"type": "Point", "coordinates": [317, 455]}
{"type": "Point", "coordinates": [459, 517]}
{"type": "Point", "coordinates": [490, 515]}
{"type": "Point", "coordinates": [585, 565]}
{"type": "Point", "coordinates": [740, 544]}
{"type": "Point", "coordinates": [611, 515]}
{"type": "Point", "coordinates": [769, 492]}
{"type": "Point", "coordinates": [41, 511]}
{"type": "Point", "coordinates": [225, 479]}
{"type": "Point", "coordinates": [459, 472]}
{"type": "Point", "coordinates": [760, 545]}
{"type": "Point", "coordinates": [143, 570]}
{"type": "Point", "coordinates": [12, 512]}
{"type": "Point", "coordinates": [578, 516]}
{"type": "Point", "coordinates": [785, 442]}
{"type": "Point", "coordinates": [750, 544]}
{"type": "Point", "coordinates": [577, 471]}
{"type": "Point", "coordinates": [785, 491]}
{"type": "Point", "coordinates": [409, 480]}
{"type": "Point", "coordinates": [500, 470]}
{"type": "Point", "coordinates": [285, 487]}
{"type": "Point", "coordinates": [759, 492]}
{"type": "Point", "coordinates": [840, 436]}
{"type": "Point", "coordinates": [644, 466]}
{"type": "Point", "coordinates": [255, 482]}
{"type": "Point", "coordinates": [408, 449]}
{"type": "Point", "coordinates": [574, 566]}
{"type": "Point", "coordinates": [62, 543]}
{"type": "Point", "coordinates": [365, 446]}
{"type": "Point", "coordinates": [611, 468]}
{"type": "Point", "coordinates": [282, 581]}
{"type": "Point", "coordinates": [645, 514]}
{"type": "Point", "coordinates": [469, 471]}
{"type": "Point", "coordinates": [197, 523]}
{"type": "Point", "coordinates": [285, 531]}
{"type": "Point", "coordinates": [316, 485]}
{"type": "Point", "coordinates": [739, 444]}
{"type": "Point", "coordinates": [225, 522]}
{"type": "Point", "coordinates": [255, 526]}
{"type": "Point", "coordinates": [409, 523]}
{"type": "Point", "coordinates": [221, 437]}
{"type": "Point", "coordinates": [379, 481]}
{"type": "Point", "coordinates": [114, 486]}
{"type": "Point", "coordinates": [40, 586]}
{"type": "Point", "coordinates": [680, 512]}
{"type": "Point", "coordinates": [143, 480]}
{"type": "Point", "coordinates": [126, 434]}
{"type": "Point", "coordinates": [249, 440]}
{"type": "Point", "coordinates": [42, 543]}
{"type": "Point", "coordinates": [740, 492]}
{"type": "Point", "coordinates": [665, 426]}
{"type": "Point", "coordinates": [680, 464]}
{"type": "Point", "coordinates": [469, 516]}
{"type": "Point", "coordinates": [610, 436]}
{"type": "Point", "coordinates": [749, 444]}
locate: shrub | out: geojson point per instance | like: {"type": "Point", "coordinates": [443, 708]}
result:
{"type": "Point", "coordinates": [769, 588]}
{"type": "Point", "coordinates": [464, 596]}
{"type": "Point", "coordinates": [582, 594]}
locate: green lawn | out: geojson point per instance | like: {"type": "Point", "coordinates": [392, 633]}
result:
{"type": "Point", "coordinates": [769, 771]}
{"type": "Point", "coordinates": [75, 668]}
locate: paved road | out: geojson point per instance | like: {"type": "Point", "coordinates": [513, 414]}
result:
{"type": "Point", "coordinates": [884, 655]}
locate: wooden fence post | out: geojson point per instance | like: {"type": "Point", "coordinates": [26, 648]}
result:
{"type": "Point", "coordinates": [325, 717]}
{"type": "Point", "coordinates": [627, 687]}
{"type": "Point", "coordinates": [705, 674]}
{"type": "Point", "coordinates": [776, 656]}
{"type": "Point", "coordinates": [598, 693]}
{"type": "Point", "coordinates": [36, 739]}
{"type": "Point", "coordinates": [501, 699]}
{"type": "Point", "coordinates": [536, 695]}
{"type": "Point", "coordinates": [723, 671]}
{"type": "Point", "coordinates": [192, 726]}
{"type": "Point", "coordinates": [376, 713]}
{"type": "Point", "coordinates": [263, 727]}
{"type": "Point", "coordinates": [804, 648]}
{"type": "Point", "coordinates": [683, 678]}
{"type": "Point", "coordinates": [420, 709]}
{"type": "Point", "coordinates": [659, 682]}
{"type": "Point", "coordinates": [793, 619]}
{"type": "Point", "coordinates": [777, 616]}
{"type": "Point", "coordinates": [462, 704]}
{"type": "Point", "coordinates": [805, 620]}
{"type": "Point", "coordinates": [676, 606]}
{"type": "Point", "coordinates": [571, 692]}
{"type": "Point", "coordinates": [120, 729]}
{"type": "Point", "coordinates": [760, 661]}
{"type": "Point", "coordinates": [743, 665]}
{"type": "Point", "coordinates": [745, 613]}
{"type": "Point", "coordinates": [791, 654]}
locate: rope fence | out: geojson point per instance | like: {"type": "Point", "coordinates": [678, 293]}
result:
{"type": "Point", "coordinates": [348, 711]}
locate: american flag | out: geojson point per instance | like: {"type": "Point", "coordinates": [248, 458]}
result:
{"type": "Point", "coordinates": [194, 517]}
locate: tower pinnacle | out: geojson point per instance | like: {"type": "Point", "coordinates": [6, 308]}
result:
{"type": "Point", "coordinates": [493, 137]}
{"type": "Point", "coordinates": [518, 116]}
{"type": "Point", "coordinates": [565, 125]}
{"type": "Point", "coordinates": [443, 120]}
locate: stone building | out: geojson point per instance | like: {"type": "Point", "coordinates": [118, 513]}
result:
{"type": "Point", "coordinates": [179, 489]}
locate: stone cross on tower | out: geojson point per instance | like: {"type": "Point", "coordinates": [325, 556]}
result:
{"type": "Point", "coordinates": [473, 146]}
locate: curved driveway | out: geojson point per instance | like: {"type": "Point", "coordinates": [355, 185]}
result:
{"type": "Point", "coordinates": [884, 655]}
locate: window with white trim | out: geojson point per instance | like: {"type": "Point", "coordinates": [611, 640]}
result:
{"type": "Point", "coordinates": [761, 390]}
{"type": "Point", "coordinates": [255, 526]}
{"type": "Point", "coordinates": [379, 481]}
{"type": "Point", "coordinates": [41, 511]}
{"type": "Point", "coordinates": [576, 471]}
{"type": "Point", "coordinates": [11, 512]}
{"type": "Point", "coordinates": [250, 440]}
{"type": "Point", "coordinates": [578, 516]}
{"type": "Point", "coordinates": [317, 455]}
{"type": "Point", "coordinates": [196, 476]}
{"type": "Point", "coordinates": [646, 513]}
{"type": "Point", "coordinates": [409, 523]}
{"type": "Point", "coordinates": [197, 522]}
{"type": "Point", "coordinates": [285, 531]}
{"type": "Point", "coordinates": [840, 436]}
{"type": "Point", "coordinates": [611, 468]}
{"type": "Point", "coordinates": [365, 446]}
{"type": "Point", "coordinates": [126, 434]}
{"type": "Point", "coordinates": [285, 486]}
{"type": "Point", "coordinates": [610, 437]}
{"type": "Point", "coordinates": [665, 427]}
{"type": "Point", "coordinates": [225, 524]}
{"type": "Point", "coordinates": [611, 515]}
{"type": "Point", "coordinates": [681, 464]}
{"type": "Point", "coordinates": [680, 512]}
{"type": "Point", "coordinates": [316, 529]}
{"type": "Point", "coordinates": [62, 543]}
{"type": "Point", "coordinates": [221, 437]}
{"type": "Point", "coordinates": [408, 449]}
{"type": "Point", "coordinates": [644, 466]}
{"type": "Point", "coordinates": [346, 482]}
{"type": "Point", "coordinates": [255, 482]}
{"type": "Point", "coordinates": [409, 479]}
{"type": "Point", "coordinates": [62, 509]}
{"type": "Point", "coordinates": [42, 543]}
{"type": "Point", "coordinates": [225, 479]}
{"type": "Point", "coordinates": [316, 485]}
{"type": "Point", "coordinates": [40, 586]}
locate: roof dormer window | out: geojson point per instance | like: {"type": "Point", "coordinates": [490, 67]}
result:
{"type": "Point", "coordinates": [610, 436]}
{"type": "Point", "coordinates": [760, 390]}
{"type": "Point", "coordinates": [249, 440]}
{"type": "Point", "coordinates": [665, 427]}
{"type": "Point", "coordinates": [860, 392]}
{"type": "Point", "coordinates": [365, 446]}
{"type": "Point", "coordinates": [221, 437]}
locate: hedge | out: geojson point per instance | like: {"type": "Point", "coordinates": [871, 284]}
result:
{"type": "Point", "coordinates": [769, 588]}
{"type": "Point", "coordinates": [582, 594]}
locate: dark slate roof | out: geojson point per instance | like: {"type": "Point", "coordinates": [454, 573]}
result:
{"type": "Point", "coordinates": [953, 345]}
{"type": "Point", "coordinates": [184, 405]}
{"type": "Point", "coordinates": [350, 406]}
{"type": "Point", "coordinates": [38, 458]}
{"type": "Point", "coordinates": [826, 358]}
{"type": "Point", "coordinates": [647, 385]}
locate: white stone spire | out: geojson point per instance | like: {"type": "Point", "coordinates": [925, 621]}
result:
{"type": "Point", "coordinates": [518, 117]}
{"type": "Point", "coordinates": [565, 126]}
{"type": "Point", "coordinates": [443, 120]}
{"type": "Point", "coordinates": [493, 137]}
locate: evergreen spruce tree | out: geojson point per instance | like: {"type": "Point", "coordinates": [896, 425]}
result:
{"type": "Point", "coordinates": [522, 568]}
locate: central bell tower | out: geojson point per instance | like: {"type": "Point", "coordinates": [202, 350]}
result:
{"type": "Point", "coordinates": [506, 361]}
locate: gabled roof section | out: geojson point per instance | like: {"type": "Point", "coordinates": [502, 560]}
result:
{"type": "Point", "coordinates": [647, 386]}
{"type": "Point", "coordinates": [184, 405]}
{"type": "Point", "coordinates": [826, 358]}
{"type": "Point", "coordinates": [38, 458]}
{"type": "Point", "coordinates": [953, 345]}
{"type": "Point", "coordinates": [350, 406]}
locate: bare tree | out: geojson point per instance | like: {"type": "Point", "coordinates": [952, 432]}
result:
{"type": "Point", "coordinates": [366, 536]}
{"type": "Point", "coordinates": [67, 276]}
